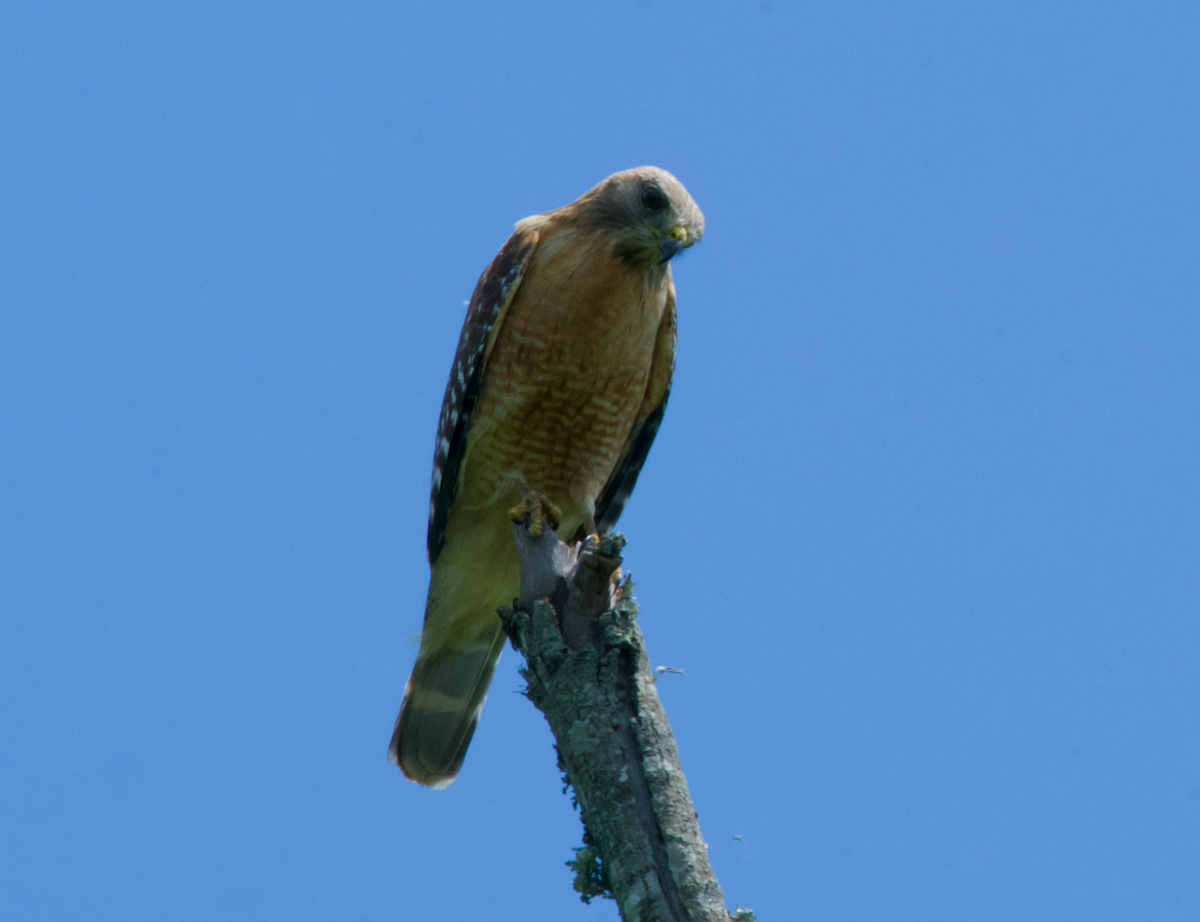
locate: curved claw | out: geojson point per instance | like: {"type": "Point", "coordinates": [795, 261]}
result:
{"type": "Point", "coordinates": [535, 510]}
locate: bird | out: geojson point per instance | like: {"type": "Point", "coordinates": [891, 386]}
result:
{"type": "Point", "coordinates": [556, 392]}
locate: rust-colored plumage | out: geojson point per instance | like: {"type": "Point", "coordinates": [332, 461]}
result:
{"type": "Point", "coordinates": [561, 377]}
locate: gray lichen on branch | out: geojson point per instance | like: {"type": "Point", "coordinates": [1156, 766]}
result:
{"type": "Point", "coordinates": [588, 673]}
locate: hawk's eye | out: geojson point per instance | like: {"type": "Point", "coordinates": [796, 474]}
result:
{"type": "Point", "coordinates": [653, 199]}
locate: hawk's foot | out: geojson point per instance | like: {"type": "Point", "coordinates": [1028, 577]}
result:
{"type": "Point", "coordinates": [535, 510]}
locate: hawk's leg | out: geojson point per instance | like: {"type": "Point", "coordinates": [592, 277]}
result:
{"type": "Point", "coordinates": [535, 510]}
{"type": "Point", "coordinates": [587, 529]}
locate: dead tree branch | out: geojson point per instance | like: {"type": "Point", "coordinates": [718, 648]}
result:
{"type": "Point", "coordinates": [588, 673]}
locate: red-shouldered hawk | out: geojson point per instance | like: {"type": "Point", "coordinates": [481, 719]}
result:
{"type": "Point", "coordinates": [557, 390]}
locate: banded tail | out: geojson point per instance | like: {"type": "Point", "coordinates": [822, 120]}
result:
{"type": "Point", "coordinates": [442, 701]}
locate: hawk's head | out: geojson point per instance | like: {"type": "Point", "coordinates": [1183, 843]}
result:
{"type": "Point", "coordinates": [647, 210]}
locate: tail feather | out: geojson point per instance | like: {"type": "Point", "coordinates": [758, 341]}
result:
{"type": "Point", "coordinates": [442, 701]}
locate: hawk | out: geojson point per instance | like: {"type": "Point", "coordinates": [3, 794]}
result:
{"type": "Point", "coordinates": [557, 390]}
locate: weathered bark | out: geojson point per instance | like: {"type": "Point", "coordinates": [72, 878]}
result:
{"type": "Point", "coordinates": [588, 673]}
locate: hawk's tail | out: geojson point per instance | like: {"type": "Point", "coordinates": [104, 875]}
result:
{"type": "Point", "coordinates": [442, 701]}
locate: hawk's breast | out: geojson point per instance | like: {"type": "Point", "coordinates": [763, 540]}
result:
{"type": "Point", "coordinates": [565, 379]}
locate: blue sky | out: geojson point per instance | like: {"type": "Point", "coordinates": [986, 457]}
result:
{"type": "Point", "coordinates": [922, 525]}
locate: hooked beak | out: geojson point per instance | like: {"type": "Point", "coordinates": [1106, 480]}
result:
{"type": "Point", "coordinates": [673, 242]}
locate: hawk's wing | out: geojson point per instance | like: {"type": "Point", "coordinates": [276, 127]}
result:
{"type": "Point", "coordinates": [645, 427]}
{"type": "Point", "coordinates": [493, 294]}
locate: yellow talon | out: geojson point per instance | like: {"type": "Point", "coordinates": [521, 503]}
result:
{"type": "Point", "coordinates": [535, 510]}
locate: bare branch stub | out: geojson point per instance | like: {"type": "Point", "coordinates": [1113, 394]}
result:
{"type": "Point", "coordinates": [589, 675]}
